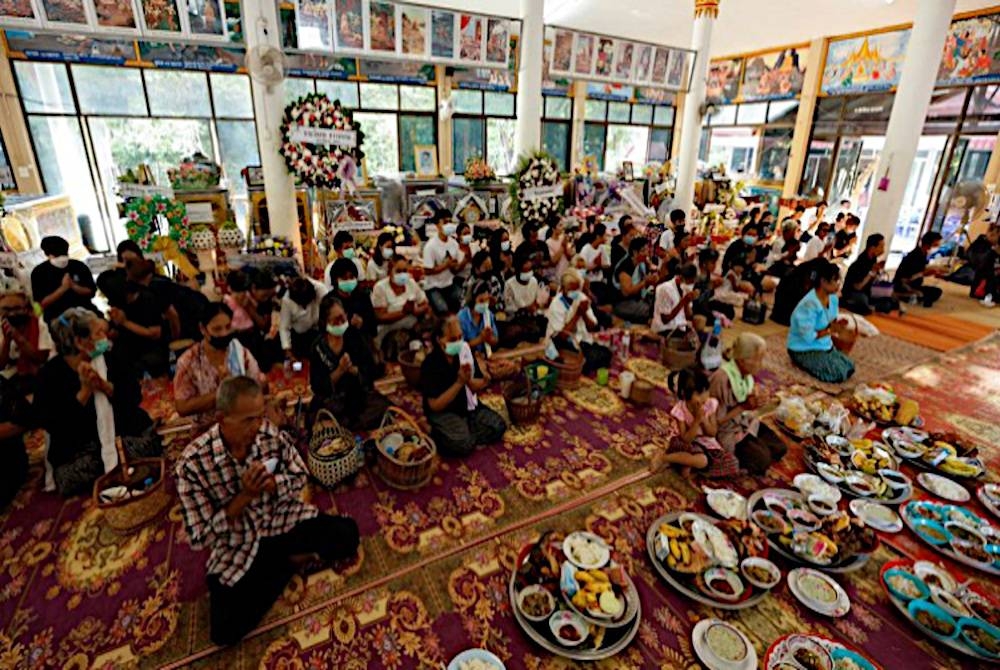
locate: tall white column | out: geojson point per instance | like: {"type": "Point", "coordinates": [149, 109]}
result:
{"type": "Point", "coordinates": [906, 122]}
{"type": "Point", "coordinates": [261, 28]}
{"type": "Point", "coordinates": [528, 132]}
{"type": "Point", "coordinates": [705, 13]}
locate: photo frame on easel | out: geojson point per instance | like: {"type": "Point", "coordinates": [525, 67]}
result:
{"type": "Point", "coordinates": [425, 160]}
{"type": "Point", "coordinates": [628, 170]}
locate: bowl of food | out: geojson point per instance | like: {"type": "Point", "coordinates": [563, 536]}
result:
{"type": "Point", "coordinates": [476, 659]}
{"type": "Point", "coordinates": [963, 532]}
{"type": "Point", "coordinates": [896, 480]}
{"type": "Point", "coordinates": [981, 636]}
{"type": "Point", "coordinates": [586, 550]}
{"type": "Point", "coordinates": [841, 444]}
{"type": "Point", "coordinates": [847, 659]}
{"type": "Point", "coordinates": [811, 484]}
{"type": "Point", "coordinates": [726, 644]}
{"type": "Point", "coordinates": [933, 575]}
{"type": "Point", "coordinates": [723, 584]}
{"type": "Point", "coordinates": [931, 531]}
{"type": "Point", "coordinates": [809, 654]}
{"type": "Point", "coordinates": [905, 585]}
{"type": "Point", "coordinates": [536, 603]}
{"type": "Point", "coordinates": [950, 603]}
{"type": "Point", "coordinates": [771, 522]}
{"type": "Point", "coordinates": [861, 483]}
{"type": "Point", "coordinates": [908, 449]}
{"type": "Point", "coordinates": [803, 520]}
{"type": "Point", "coordinates": [821, 505]}
{"type": "Point", "coordinates": [982, 608]}
{"type": "Point", "coordinates": [834, 474]}
{"type": "Point", "coordinates": [933, 619]}
{"type": "Point", "coordinates": [777, 503]}
{"type": "Point", "coordinates": [760, 572]}
{"type": "Point", "coordinates": [974, 551]}
{"type": "Point", "coordinates": [569, 628]}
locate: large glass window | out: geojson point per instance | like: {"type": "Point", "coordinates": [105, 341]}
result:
{"type": "Point", "coordinates": [379, 96]}
{"type": "Point", "coordinates": [593, 142]}
{"type": "Point", "coordinates": [110, 90]}
{"type": "Point", "coordinates": [556, 141]}
{"type": "Point", "coordinates": [467, 102]}
{"type": "Point", "coordinates": [381, 144]}
{"type": "Point", "coordinates": [774, 151]}
{"type": "Point", "coordinates": [296, 87]}
{"type": "Point", "coordinates": [413, 131]}
{"type": "Point", "coordinates": [660, 140]}
{"type": "Point", "coordinates": [345, 91]}
{"type": "Point", "coordinates": [44, 88]}
{"type": "Point", "coordinates": [178, 93]}
{"type": "Point", "coordinates": [498, 104]}
{"type": "Point", "coordinates": [500, 144]}
{"type": "Point", "coordinates": [626, 143]}
{"type": "Point", "coordinates": [634, 132]}
{"type": "Point", "coordinates": [417, 98]}
{"type": "Point", "coordinates": [557, 107]}
{"type": "Point", "coordinates": [231, 95]}
{"type": "Point", "coordinates": [595, 110]}
{"type": "Point", "coordinates": [618, 112]}
{"type": "Point", "coordinates": [483, 125]}
{"type": "Point", "coordinates": [468, 141]}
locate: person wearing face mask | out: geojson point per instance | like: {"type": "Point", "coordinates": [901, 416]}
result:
{"type": "Point", "coordinates": [524, 299]}
{"type": "Point", "coordinates": [743, 252]}
{"type": "Point", "coordinates": [594, 258]}
{"type": "Point", "coordinates": [635, 283]}
{"type": "Point", "coordinates": [379, 265]}
{"type": "Point", "coordinates": [218, 356]}
{"type": "Point", "coordinates": [342, 372]}
{"type": "Point", "coordinates": [61, 282]}
{"type": "Point", "coordinates": [560, 252]}
{"type": "Point", "coordinates": [357, 301]}
{"type": "Point", "coordinates": [399, 305]}
{"type": "Point", "coordinates": [571, 320]}
{"type": "Point", "coordinates": [87, 396]}
{"type": "Point", "coordinates": [343, 247]}
{"type": "Point", "coordinates": [450, 378]}
{"type": "Point", "coordinates": [479, 327]}
{"type": "Point", "coordinates": [535, 249]}
{"type": "Point", "coordinates": [463, 236]}
{"type": "Point", "coordinates": [299, 316]}
{"type": "Point", "coordinates": [482, 270]}
{"type": "Point", "coordinates": [673, 304]}
{"type": "Point", "coordinates": [813, 323]}
{"type": "Point", "coordinates": [441, 259]}
{"type": "Point", "coordinates": [500, 254]}
{"type": "Point", "coordinates": [137, 325]}
{"type": "Point", "coordinates": [908, 282]}
{"type": "Point", "coordinates": [25, 343]}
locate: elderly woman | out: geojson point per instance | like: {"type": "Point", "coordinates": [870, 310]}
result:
{"type": "Point", "coordinates": [87, 396]}
{"type": "Point", "coordinates": [571, 319]}
{"type": "Point", "coordinates": [732, 385]}
{"type": "Point", "coordinates": [810, 345]}
{"type": "Point", "coordinates": [206, 364]}
{"type": "Point", "coordinates": [450, 378]}
{"type": "Point", "coordinates": [25, 343]}
{"type": "Point", "coordinates": [342, 371]}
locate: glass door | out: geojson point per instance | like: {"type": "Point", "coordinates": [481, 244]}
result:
{"type": "Point", "coordinates": [844, 168]}
{"type": "Point", "coordinates": [919, 187]}
{"type": "Point", "coordinates": [968, 164]}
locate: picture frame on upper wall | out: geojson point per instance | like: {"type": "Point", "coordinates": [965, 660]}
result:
{"type": "Point", "coordinates": [625, 61]}
{"type": "Point", "coordinates": [443, 37]}
{"type": "Point", "coordinates": [643, 63]}
{"type": "Point", "coordinates": [382, 35]}
{"type": "Point", "coordinates": [414, 31]}
{"type": "Point", "coordinates": [20, 13]}
{"type": "Point", "coordinates": [498, 41]}
{"type": "Point", "coordinates": [312, 24]}
{"type": "Point", "coordinates": [206, 19]}
{"type": "Point", "coordinates": [661, 58]}
{"type": "Point", "coordinates": [425, 160]}
{"type": "Point", "coordinates": [562, 52]}
{"type": "Point", "coordinates": [67, 15]}
{"type": "Point", "coordinates": [583, 54]}
{"type": "Point", "coordinates": [675, 69]}
{"type": "Point", "coordinates": [120, 17]}
{"type": "Point", "coordinates": [349, 26]}
{"type": "Point", "coordinates": [471, 38]}
{"type": "Point", "coordinates": [604, 57]}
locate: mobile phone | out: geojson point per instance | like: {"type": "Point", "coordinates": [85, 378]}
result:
{"type": "Point", "coordinates": [296, 366]}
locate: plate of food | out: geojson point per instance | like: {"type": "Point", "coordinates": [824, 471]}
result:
{"type": "Point", "coordinates": [722, 646]}
{"type": "Point", "coordinates": [876, 515]}
{"type": "Point", "coordinates": [943, 487]}
{"type": "Point", "coordinates": [799, 651]}
{"type": "Point", "coordinates": [726, 503]}
{"type": "Point", "coordinates": [547, 615]}
{"type": "Point", "coordinates": [476, 659]}
{"type": "Point", "coordinates": [879, 403]}
{"type": "Point", "coordinates": [869, 470]}
{"type": "Point", "coordinates": [692, 568]}
{"type": "Point", "coordinates": [840, 543]}
{"type": "Point", "coordinates": [945, 453]}
{"type": "Point", "coordinates": [586, 550]}
{"type": "Point", "coordinates": [989, 495]}
{"type": "Point", "coordinates": [956, 532]}
{"type": "Point", "coordinates": [819, 592]}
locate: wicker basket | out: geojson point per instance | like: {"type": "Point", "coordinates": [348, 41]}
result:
{"type": "Point", "coordinates": [331, 469]}
{"type": "Point", "coordinates": [502, 369]}
{"type": "Point", "coordinates": [130, 514]}
{"type": "Point", "coordinates": [641, 392]}
{"type": "Point", "coordinates": [570, 369]}
{"type": "Point", "coordinates": [407, 475]}
{"type": "Point", "coordinates": [845, 336]}
{"type": "Point", "coordinates": [521, 407]}
{"type": "Point", "coordinates": [410, 369]}
{"type": "Point", "coordinates": [677, 352]}
{"type": "Point", "coordinates": [546, 383]}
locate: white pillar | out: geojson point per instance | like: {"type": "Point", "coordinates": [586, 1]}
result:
{"type": "Point", "coordinates": [705, 13]}
{"type": "Point", "coordinates": [909, 109]}
{"type": "Point", "coordinates": [528, 132]}
{"type": "Point", "coordinates": [261, 28]}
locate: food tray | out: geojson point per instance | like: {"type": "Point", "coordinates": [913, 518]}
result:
{"type": "Point", "coordinates": [773, 654]}
{"type": "Point", "coordinates": [955, 643]}
{"type": "Point", "coordinates": [848, 491]}
{"type": "Point", "coordinates": [920, 464]}
{"type": "Point", "coordinates": [855, 563]}
{"type": "Point", "coordinates": [756, 594]}
{"type": "Point", "coordinates": [946, 549]}
{"type": "Point", "coordinates": [987, 503]}
{"type": "Point", "coordinates": [615, 639]}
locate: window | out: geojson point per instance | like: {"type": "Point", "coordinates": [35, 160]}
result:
{"type": "Point", "coordinates": [499, 104]}
{"type": "Point", "coordinates": [556, 129]}
{"type": "Point", "coordinates": [774, 150]}
{"type": "Point", "coordinates": [635, 132]}
{"type": "Point", "coordinates": [593, 142]}
{"type": "Point", "coordinates": [752, 113]}
{"type": "Point", "coordinates": [231, 95]}
{"type": "Point", "coordinates": [379, 96]}
{"type": "Point", "coordinates": [417, 98]}
{"type": "Point", "coordinates": [618, 111]}
{"type": "Point", "coordinates": [626, 143]}
{"type": "Point", "coordinates": [467, 102]}
{"type": "Point", "coordinates": [381, 144]}
{"type": "Point", "coordinates": [558, 107]}
{"type": "Point", "coordinates": [595, 110]}
{"type": "Point", "coordinates": [663, 115]}
{"type": "Point", "coordinates": [109, 90]}
{"type": "Point", "coordinates": [178, 93]}
{"type": "Point", "coordinates": [468, 135]}
{"type": "Point", "coordinates": [642, 114]}
{"type": "Point", "coordinates": [414, 130]}
{"type": "Point", "coordinates": [483, 125]}
{"type": "Point", "coordinates": [44, 88]}
{"type": "Point", "coordinates": [660, 140]}
{"type": "Point", "coordinates": [345, 91]}
{"type": "Point", "coordinates": [296, 87]}
{"type": "Point", "coordinates": [500, 144]}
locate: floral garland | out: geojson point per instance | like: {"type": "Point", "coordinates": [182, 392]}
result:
{"type": "Point", "coordinates": [143, 228]}
{"type": "Point", "coordinates": [319, 165]}
{"type": "Point", "coordinates": [534, 171]}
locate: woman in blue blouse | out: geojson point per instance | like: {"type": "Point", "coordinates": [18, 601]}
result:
{"type": "Point", "coordinates": [810, 345]}
{"type": "Point", "coordinates": [478, 325]}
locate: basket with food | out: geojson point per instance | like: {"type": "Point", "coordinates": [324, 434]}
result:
{"type": "Point", "coordinates": [133, 493]}
{"type": "Point", "coordinates": [723, 564]}
{"type": "Point", "coordinates": [409, 365]}
{"type": "Point", "coordinates": [814, 652]}
{"type": "Point", "coordinates": [836, 542]}
{"type": "Point", "coordinates": [942, 452]}
{"type": "Point", "coordinates": [807, 417]}
{"type": "Point", "coordinates": [860, 468]}
{"type": "Point", "coordinates": [956, 532]}
{"type": "Point", "coordinates": [573, 599]}
{"type": "Point", "coordinates": [956, 614]}
{"type": "Point", "coordinates": [879, 403]}
{"type": "Point", "coordinates": [406, 457]}
{"type": "Point", "coordinates": [502, 369]}
{"type": "Point", "coordinates": [333, 454]}
{"type": "Point", "coordinates": [523, 400]}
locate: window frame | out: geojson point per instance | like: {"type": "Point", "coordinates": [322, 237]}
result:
{"type": "Point", "coordinates": [566, 123]}
{"type": "Point", "coordinates": [651, 125]}
{"type": "Point", "coordinates": [759, 128]}
{"type": "Point", "coordinates": [484, 116]}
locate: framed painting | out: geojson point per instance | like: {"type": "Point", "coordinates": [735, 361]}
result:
{"type": "Point", "coordinates": [675, 68]}
{"type": "Point", "coordinates": [660, 59]}
{"type": "Point", "coordinates": [624, 61]}
{"type": "Point", "coordinates": [604, 63]}
{"type": "Point", "coordinates": [425, 159]}
{"type": "Point", "coordinates": [312, 24]}
{"type": "Point", "coordinates": [497, 41]}
{"type": "Point", "coordinates": [206, 17]}
{"type": "Point", "coordinates": [413, 28]}
{"type": "Point", "coordinates": [381, 26]}
{"type": "Point", "coordinates": [20, 12]}
{"type": "Point", "coordinates": [442, 34]}
{"type": "Point", "coordinates": [349, 25]}
{"type": "Point", "coordinates": [470, 38]}
{"type": "Point", "coordinates": [562, 52]}
{"type": "Point", "coordinates": [66, 13]}
{"type": "Point", "coordinates": [583, 54]}
{"type": "Point", "coordinates": [643, 62]}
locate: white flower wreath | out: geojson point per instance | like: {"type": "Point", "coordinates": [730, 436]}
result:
{"type": "Point", "coordinates": [316, 164]}
{"type": "Point", "coordinates": [534, 171]}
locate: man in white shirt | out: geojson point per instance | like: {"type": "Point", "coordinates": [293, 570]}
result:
{"type": "Point", "coordinates": [299, 316]}
{"type": "Point", "coordinates": [571, 319]}
{"type": "Point", "coordinates": [597, 261]}
{"type": "Point", "coordinates": [343, 247]}
{"type": "Point", "coordinates": [442, 257]}
{"type": "Point", "coordinates": [672, 307]}
{"type": "Point", "coordinates": [819, 244]}
{"type": "Point", "coordinates": [398, 301]}
{"type": "Point", "coordinates": [789, 232]}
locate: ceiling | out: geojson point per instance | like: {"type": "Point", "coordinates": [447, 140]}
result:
{"type": "Point", "coordinates": [743, 25]}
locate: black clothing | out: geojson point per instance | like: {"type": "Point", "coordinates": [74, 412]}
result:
{"type": "Point", "coordinates": [359, 302]}
{"type": "Point", "coordinates": [537, 252]}
{"type": "Point", "coordinates": [437, 375]}
{"type": "Point", "coordinates": [47, 278]}
{"type": "Point", "coordinates": [792, 288]}
{"type": "Point", "coordinates": [354, 401]}
{"type": "Point", "coordinates": [147, 354]}
{"type": "Point", "coordinates": [14, 408]}
{"type": "Point", "coordinates": [911, 269]}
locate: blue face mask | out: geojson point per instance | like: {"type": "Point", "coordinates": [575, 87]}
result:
{"type": "Point", "coordinates": [505, 245]}
{"type": "Point", "coordinates": [338, 330]}
{"type": "Point", "coordinates": [525, 277]}
{"type": "Point", "coordinates": [347, 285]}
{"type": "Point", "coordinates": [450, 228]}
{"type": "Point", "coordinates": [453, 348]}
{"type": "Point", "coordinates": [574, 295]}
{"type": "Point", "coordinates": [400, 278]}
{"type": "Point", "coordinates": [750, 239]}
{"type": "Point", "coordinates": [466, 239]}
{"type": "Point", "coordinates": [101, 347]}
{"type": "Point", "coordinates": [482, 307]}
{"type": "Point", "coordinates": [348, 252]}
{"type": "Point", "coordinates": [387, 253]}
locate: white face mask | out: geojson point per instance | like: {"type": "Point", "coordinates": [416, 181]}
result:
{"type": "Point", "coordinates": [59, 261]}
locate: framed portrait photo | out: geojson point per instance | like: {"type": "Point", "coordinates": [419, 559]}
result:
{"type": "Point", "coordinates": [425, 159]}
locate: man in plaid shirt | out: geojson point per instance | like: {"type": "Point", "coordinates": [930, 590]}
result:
{"type": "Point", "coordinates": [240, 486]}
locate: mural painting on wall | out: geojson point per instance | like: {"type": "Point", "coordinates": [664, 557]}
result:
{"type": "Point", "coordinates": [866, 63]}
{"type": "Point", "coordinates": [723, 80]}
{"type": "Point", "coordinates": [775, 75]}
{"type": "Point", "coordinates": [971, 51]}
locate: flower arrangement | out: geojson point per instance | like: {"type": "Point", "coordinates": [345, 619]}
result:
{"type": "Point", "coordinates": [196, 172]}
{"type": "Point", "coordinates": [271, 245]}
{"type": "Point", "coordinates": [536, 191]}
{"type": "Point", "coordinates": [401, 235]}
{"type": "Point", "coordinates": [478, 172]}
{"type": "Point", "coordinates": [320, 165]}
{"type": "Point", "coordinates": [143, 221]}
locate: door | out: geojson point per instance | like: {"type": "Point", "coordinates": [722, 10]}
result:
{"type": "Point", "coordinates": [919, 186]}
{"type": "Point", "coordinates": [968, 164]}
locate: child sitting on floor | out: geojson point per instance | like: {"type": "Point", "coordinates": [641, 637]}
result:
{"type": "Point", "coordinates": [695, 445]}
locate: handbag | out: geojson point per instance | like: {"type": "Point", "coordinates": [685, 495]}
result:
{"type": "Point", "coordinates": [754, 312]}
{"type": "Point", "coordinates": [882, 287]}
